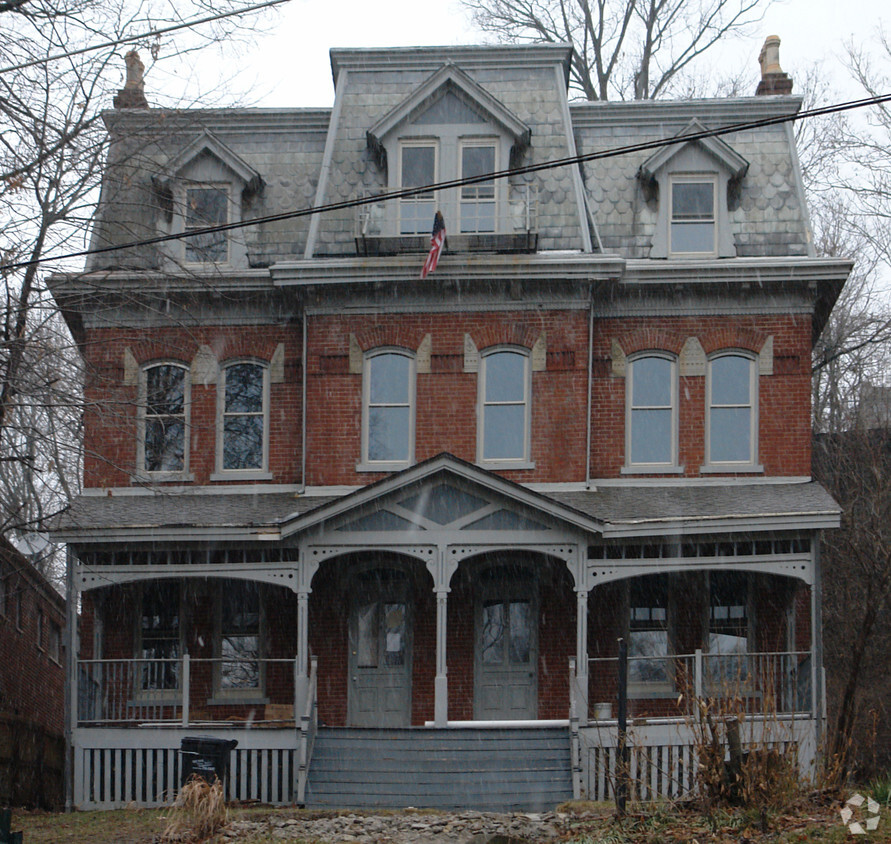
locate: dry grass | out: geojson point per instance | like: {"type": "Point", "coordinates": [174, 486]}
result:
{"type": "Point", "coordinates": [198, 813]}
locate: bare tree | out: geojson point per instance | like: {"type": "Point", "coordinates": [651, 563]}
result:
{"type": "Point", "coordinates": [630, 49]}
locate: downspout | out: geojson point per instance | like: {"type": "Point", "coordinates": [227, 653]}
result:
{"type": "Point", "coordinates": [303, 410]}
{"type": "Point", "coordinates": [590, 384]}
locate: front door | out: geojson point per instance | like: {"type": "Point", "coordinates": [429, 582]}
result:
{"type": "Point", "coordinates": [506, 658]}
{"type": "Point", "coordinates": [380, 650]}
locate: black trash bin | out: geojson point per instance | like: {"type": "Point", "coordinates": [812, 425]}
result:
{"type": "Point", "coordinates": [206, 757]}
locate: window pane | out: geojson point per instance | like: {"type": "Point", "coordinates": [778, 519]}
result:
{"type": "Point", "coordinates": [243, 442]}
{"type": "Point", "coordinates": [366, 645]}
{"type": "Point", "coordinates": [504, 433]}
{"type": "Point", "coordinates": [730, 380]}
{"type": "Point", "coordinates": [692, 237]}
{"type": "Point", "coordinates": [418, 167]}
{"type": "Point", "coordinates": [394, 634]}
{"type": "Point", "coordinates": [165, 445]}
{"type": "Point", "coordinates": [244, 388]}
{"type": "Point", "coordinates": [206, 207]}
{"type": "Point", "coordinates": [389, 379]}
{"type": "Point", "coordinates": [477, 160]}
{"type": "Point", "coordinates": [505, 377]}
{"type": "Point", "coordinates": [651, 380]}
{"type": "Point", "coordinates": [647, 643]}
{"type": "Point", "coordinates": [730, 435]}
{"type": "Point", "coordinates": [493, 633]}
{"type": "Point", "coordinates": [520, 632]}
{"type": "Point", "coordinates": [388, 433]}
{"type": "Point", "coordinates": [240, 668]}
{"type": "Point", "coordinates": [165, 390]}
{"type": "Point", "coordinates": [651, 436]}
{"type": "Point", "coordinates": [478, 217]}
{"type": "Point", "coordinates": [692, 200]}
{"type": "Point", "coordinates": [416, 216]}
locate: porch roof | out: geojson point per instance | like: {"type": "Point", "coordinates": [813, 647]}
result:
{"type": "Point", "coordinates": [611, 511]}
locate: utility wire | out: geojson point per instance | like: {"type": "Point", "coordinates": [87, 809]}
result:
{"type": "Point", "coordinates": [469, 180]}
{"type": "Point", "coordinates": [152, 33]}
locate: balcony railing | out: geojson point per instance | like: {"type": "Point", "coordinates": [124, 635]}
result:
{"type": "Point", "coordinates": [672, 686]}
{"type": "Point", "coordinates": [493, 224]}
{"type": "Point", "coordinates": [115, 692]}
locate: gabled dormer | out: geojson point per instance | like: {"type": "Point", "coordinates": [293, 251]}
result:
{"type": "Point", "coordinates": [694, 182]}
{"type": "Point", "coordinates": [206, 184]}
{"type": "Point", "coordinates": [449, 128]}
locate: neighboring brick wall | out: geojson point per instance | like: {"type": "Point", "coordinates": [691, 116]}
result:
{"type": "Point", "coordinates": [32, 685]}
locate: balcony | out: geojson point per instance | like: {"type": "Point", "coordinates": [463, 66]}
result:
{"type": "Point", "coordinates": [478, 220]}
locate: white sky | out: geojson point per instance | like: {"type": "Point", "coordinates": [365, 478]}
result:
{"type": "Point", "coordinates": [290, 66]}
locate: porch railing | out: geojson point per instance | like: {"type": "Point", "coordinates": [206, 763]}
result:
{"type": "Point", "coordinates": [113, 692]}
{"type": "Point", "coordinates": [666, 686]}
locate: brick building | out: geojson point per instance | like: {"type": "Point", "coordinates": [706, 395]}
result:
{"type": "Point", "coordinates": [32, 683]}
{"type": "Point", "coordinates": [313, 478]}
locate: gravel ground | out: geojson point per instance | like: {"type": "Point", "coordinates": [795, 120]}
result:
{"type": "Point", "coordinates": [413, 828]}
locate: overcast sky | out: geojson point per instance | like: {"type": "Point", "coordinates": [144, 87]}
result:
{"type": "Point", "coordinates": [290, 66]}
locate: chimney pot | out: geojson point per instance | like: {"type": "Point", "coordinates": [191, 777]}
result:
{"type": "Point", "coordinates": [132, 95]}
{"type": "Point", "coordinates": [773, 80]}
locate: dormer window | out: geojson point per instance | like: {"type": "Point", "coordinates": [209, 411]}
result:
{"type": "Point", "coordinates": [417, 168]}
{"type": "Point", "coordinates": [206, 206]}
{"type": "Point", "coordinates": [692, 215]}
{"type": "Point", "coordinates": [478, 201]}
{"type": "Point", "coordinates": [688, 185]}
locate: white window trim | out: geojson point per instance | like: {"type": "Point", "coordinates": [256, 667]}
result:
{"type": "Point", "coordinates": [688, 178]}
{"type": "Point", "coordinates": [751, 465]}
{"type": "Point", "coordinates": [183, 196]}
{"type": "Point", "coordinates": [365, 464]}
{"type": "Point", "coordinates": [242, 696]}
{"type": "Point", "coordinates": [482, 141]}
{"type": "Point", "coordinates": [251, 474]}
{"type": "Point", "coordinates": [672, 466]}
{"type": "Point", "coordinates": [525, 461]}
{"type": "Point", "coordinates": [162, 696]}
{"type": "Point", "coordinates": [406, 201]}
{"type": "Point", "coordinates": [143, 474]}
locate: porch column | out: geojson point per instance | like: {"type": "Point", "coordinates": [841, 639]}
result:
{"type": "Point", "coordinates": [579, 695]}
{"type": "Point", "coordinates": [70, 719]}
{"type": "Point", "coordinates": [817, 640]}
{"type": "Point", "coordinates": [441, 683]}
{"type": "Point", "coordinates": [301, 678]}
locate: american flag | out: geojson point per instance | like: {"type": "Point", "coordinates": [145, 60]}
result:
{"type": "Point", "coordinates": [436, 243]}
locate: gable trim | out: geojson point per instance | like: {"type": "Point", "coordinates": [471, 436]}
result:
{"type": "Point", "coordinates": [208, 142]}
{"type": "Point", "coordinates": [719, 149]}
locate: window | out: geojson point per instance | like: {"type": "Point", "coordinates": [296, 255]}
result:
{"type": "Point", "coordinates": [504, 408]}
{"type": "Point", "coordinates": [39, 629]}
{"type": "Point", "coordinates": [19, 609]}
{"type": "Point", "coordinates": [478, 211]}
{"type": "Point", "coordinates": [417, 168]}
{"type": "Point", "coordinates": [728, 627]}
{"type": "Point", "coordinates": [4, 590]}
{"type": "Point", "coordinates": [160, 636]}
{"type": "Point", "coordinates": [732, 427]}
{"type": "Point", "coordinates": [239, 640]}
{"type": "Point", "coordinates": [243, 415]}
{"type": "Point", "coordinates": [648, 630]}
{"type": "Point", "coordinates": [651, 399]}
{"type": "Point", "coordinates": [388, 410]}
{"type": "Point", "coordinates": [692, 230]}
{"type": "Point", "coordinates": [54, 645]}
{"type": "Point", "coordinates": [207, 205]}
{"type": "Point", "coordinates": [164, 405]}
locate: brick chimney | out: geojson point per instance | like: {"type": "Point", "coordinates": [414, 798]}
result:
{"type": "Point", "coordinates": [132, 95]}
{"type": "Point", "coordinates": [773, 80]}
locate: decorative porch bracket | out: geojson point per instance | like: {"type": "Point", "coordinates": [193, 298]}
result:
{"type": "Point", "coordinates": [282, 574]}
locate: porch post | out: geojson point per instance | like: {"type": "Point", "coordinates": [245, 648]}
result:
{"type": "Point", "coordinates": [817, 641]}
{"type": "Point", "coordinates": [581, 650]}
{"type": "Point", "coordinates": [301, 678]}
{"type": "Point", "coordinates": [71, 676]}
{"type": "Point", "coordinates": [441, 683]}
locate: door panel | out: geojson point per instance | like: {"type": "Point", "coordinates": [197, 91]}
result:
{"type": "Point", "coordinates": [380, 651]}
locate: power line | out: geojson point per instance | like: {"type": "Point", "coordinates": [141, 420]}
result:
{"type": "Point", "coordinates": [469, 180]}
{"type": "Point", "coordinates": [152, 33]}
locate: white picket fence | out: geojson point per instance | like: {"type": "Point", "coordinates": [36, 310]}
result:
{"type": "Point", "coordinates": [116, 767]}
{"type": "Point", "coordinates": [662, 757]}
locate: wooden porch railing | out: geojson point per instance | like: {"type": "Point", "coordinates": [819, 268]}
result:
{"type": "Point", "coordinates": [184, 691]}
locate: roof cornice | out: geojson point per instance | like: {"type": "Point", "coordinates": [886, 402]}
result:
{"type": "Point", "coordinates": [743, 270]}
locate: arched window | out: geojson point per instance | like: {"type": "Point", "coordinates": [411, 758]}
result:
{"type": "Point", "coordinates": [388, 410]}
{"type": "Point", "coordinates": [652, 410]}
{"type": "Point", "coordinates": [732, 423]}
{"type": "Point", "coordinates": [243, 413]}
{"type": "Point", "coordinates": [164, 419]}
{"type": "Point", "coordinates": [503, 435]}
